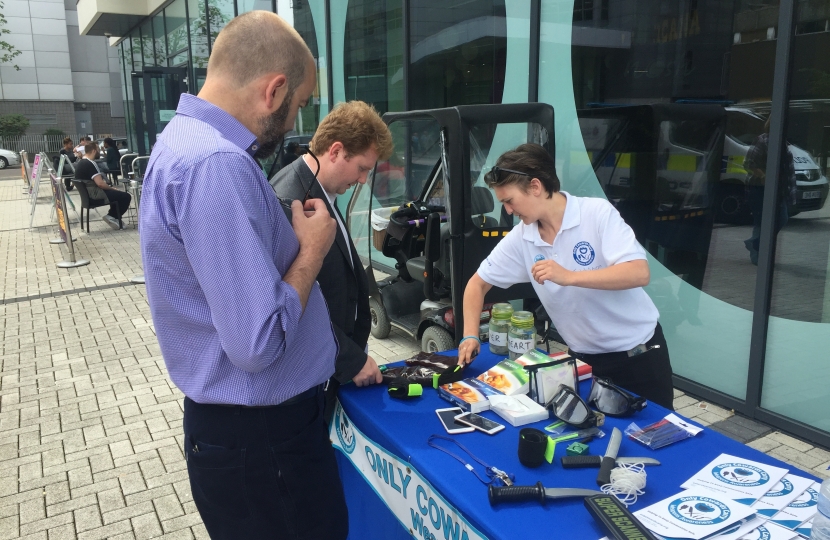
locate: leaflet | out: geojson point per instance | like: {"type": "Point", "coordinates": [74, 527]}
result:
{"type": "Point", "coordinates": [770, 531]}
{"type": "Point", "coordinates": [802, 509]}
{"type": "Point", "coordinates": [784, 492]}
{"type": "Point", "coordinates": [740, 529]}
{"type": "Point", "coordinates": [693, 514]}
{"type": "Point", "coordinates": [806, 529]}
{"type": "Point", "coordinates": [737, 478]}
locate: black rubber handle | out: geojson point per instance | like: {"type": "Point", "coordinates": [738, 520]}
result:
{"type": "Point", "coordinates": [581, 462]}
{"type": "Point", "coordinates": [516, 494]}
{"type": "Point", "coordinates": [604, 476]}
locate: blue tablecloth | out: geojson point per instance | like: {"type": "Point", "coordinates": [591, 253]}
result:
{"type": "Point", "coordinates": [403, 427]}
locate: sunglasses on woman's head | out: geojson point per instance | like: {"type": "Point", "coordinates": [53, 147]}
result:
{"type": "Point", "coordinates": [494, 175]}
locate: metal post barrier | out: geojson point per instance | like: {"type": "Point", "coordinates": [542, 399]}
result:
{"type": "Point", "coordinates": [25, 170]}
{"type": "Point", "coordinates": [135, 190]}
{"type": "Point", "coordinates": [34, 186]}
{"type": "Point", "coordinates": [64, 229]}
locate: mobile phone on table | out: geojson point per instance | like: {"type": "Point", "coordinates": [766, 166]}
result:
{"type": "Point", "coordinates": [479, 422]}
{"type": "Point", "coordinates": [447, 417]}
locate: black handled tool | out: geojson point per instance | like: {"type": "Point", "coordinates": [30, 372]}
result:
{"type": "Point", "coordinates": [592, 462]}
{"type": "Point", "coordinates": [538, 492]}
{"type": "Point", "coordinates": [609, 460]}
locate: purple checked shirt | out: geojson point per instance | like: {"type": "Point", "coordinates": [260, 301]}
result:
{"type": "Point", "coordinates": [216, 244]}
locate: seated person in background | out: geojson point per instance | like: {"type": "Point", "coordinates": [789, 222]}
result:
{"type": "Point", "coordinates": [113, 157]}
{"type": "Point", "coordinates": [79, 150]}
{"type": "Point", "coordinates": [70, 155]}
{"type": "Point", "coordinates": [98, 189]}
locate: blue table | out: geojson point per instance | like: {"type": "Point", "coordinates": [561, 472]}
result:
{"type": "Point", "coordinates": [402, 428]}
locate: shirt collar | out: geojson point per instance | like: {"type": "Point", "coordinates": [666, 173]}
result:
{"type": "Point", "coordinates": [219, 119]}
{"type": "Point", "coordinates": [570, 219]}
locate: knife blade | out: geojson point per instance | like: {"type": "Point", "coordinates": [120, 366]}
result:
{"type": "Point", "coordinates": [609, 460]}
{"type": "Point", "coordinates": [581, 462]}
{"type": "Point", "coordinates": [538, 492]}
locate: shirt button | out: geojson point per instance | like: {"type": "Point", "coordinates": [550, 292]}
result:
{"type": "Point", "coordinates": [254, 148]}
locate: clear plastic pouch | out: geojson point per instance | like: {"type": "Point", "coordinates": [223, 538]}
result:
{"type": "Point", "coordinates": [669, 430]}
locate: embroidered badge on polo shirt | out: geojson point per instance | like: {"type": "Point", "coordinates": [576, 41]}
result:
{"type": "Point", "coordinates": [584, 254]}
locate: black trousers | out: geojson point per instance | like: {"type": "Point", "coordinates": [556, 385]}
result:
{"type": "Point", "coordinates": [264, 472]}
{"type": "Point", "coordinates": [121, 197]}
{"type": "Point", "coordinates": [648, 374]}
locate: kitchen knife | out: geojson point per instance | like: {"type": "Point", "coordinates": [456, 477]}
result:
{"type": "Point", "coordinates": [498, 494]}
{"type": "Point", "coordinates": [581, 462]}
{"type": "Point", "coordinates": [609, 460]}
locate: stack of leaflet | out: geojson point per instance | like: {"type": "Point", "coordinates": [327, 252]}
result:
{"type": "Point", "coordinates": [733, 498]}
{"type": "Point", "coordinates": [508, 378]}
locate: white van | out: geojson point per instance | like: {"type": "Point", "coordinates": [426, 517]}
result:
{"type": "Point", "coordinates": [742, 127]}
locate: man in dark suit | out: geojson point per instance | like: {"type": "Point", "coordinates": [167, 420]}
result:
{"type": "Point", "coordinates": [347, 143]}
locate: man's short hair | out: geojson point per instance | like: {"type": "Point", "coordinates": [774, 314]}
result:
{"type": "Point", "coordinates": [109, 142]}
{"type": "Point", "coordinates": [532, 160]}
{"type": "Point", "coordinates": [358, 126]}
{"type": "Point", "coordinates": [67, 140]}
{"type": "Point", "coordinates": [89, 147]}
{"type": "Point", "coordinates": [255, 44]}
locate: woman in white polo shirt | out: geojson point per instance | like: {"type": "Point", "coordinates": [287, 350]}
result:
{"type": "Point", "coordinates": [587, 268]}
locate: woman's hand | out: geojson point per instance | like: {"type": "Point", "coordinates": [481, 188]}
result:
{"type": "Point", "coordinates": [548, 270]}
{"type": "Point", "coordinates": [467, 351]}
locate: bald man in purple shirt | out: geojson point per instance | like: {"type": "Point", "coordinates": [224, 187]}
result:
{"type": "Point", "coordinates": [242, 324]}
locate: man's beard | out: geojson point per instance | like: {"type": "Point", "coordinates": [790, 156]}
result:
{"type": "Point", "coordinates": [273, 129]}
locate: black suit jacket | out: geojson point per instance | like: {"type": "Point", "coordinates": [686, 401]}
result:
{"type": "Point", "coordinates": [344, 288]}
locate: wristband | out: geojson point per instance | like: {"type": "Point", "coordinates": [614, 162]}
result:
{"type": "Point", "coordinates": [469, 337]}
{"type": "Point", "coordinates": [532, 446]}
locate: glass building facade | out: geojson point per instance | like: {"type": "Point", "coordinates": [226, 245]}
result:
{"type": "Point", "coordinates": [705, 122]}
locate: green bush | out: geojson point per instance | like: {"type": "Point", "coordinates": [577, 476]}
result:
{"type": "Point", "coordinates": [13, 125]}
{"type": "Point", "coordinates": [54, 131]}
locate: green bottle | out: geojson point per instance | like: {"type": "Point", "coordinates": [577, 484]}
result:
{"type": "Point", "coordinates": [521, 337]}
{"type": "Point", "coordinates": [499, 326]}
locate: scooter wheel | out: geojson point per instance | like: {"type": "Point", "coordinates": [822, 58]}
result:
{"type": "Point", "coordinates": [436, 339]}
{"type": "Point", "coordinates": [380, 320]}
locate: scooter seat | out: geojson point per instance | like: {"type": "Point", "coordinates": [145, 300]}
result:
{"type": "Point", "coordinates": [416, 267]}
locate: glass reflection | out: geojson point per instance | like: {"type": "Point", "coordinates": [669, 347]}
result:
{"type": "Point", "coordinates": [198, 22]}
{"type": "Point", "coordinates": [373, 58]}
{"type": "Point", "coordinates": [175, 18]}
{"type": "Point", "coordinates": [796, 379]}
{"type": "Point", "coordinates": [219, 13]}
{"type": "Point", "coordinates": [458, 53]}
{"type": "Point", "coordinates": [671, 98]}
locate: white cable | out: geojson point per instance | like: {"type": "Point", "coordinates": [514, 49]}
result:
{"type": "Point", "coordinates": [627, 482]}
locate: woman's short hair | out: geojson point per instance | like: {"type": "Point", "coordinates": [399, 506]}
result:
{"type": "Point", "coordinates": [530, 161]}
{"type": "Point", "coordinates": [358, 126]}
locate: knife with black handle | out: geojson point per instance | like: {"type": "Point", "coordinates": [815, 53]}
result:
{"type": "Point", "coordinates": [539, 493]}
{"type": "Point", "coordinates": [592, 462]}
{"type": "Point", "coordinates": [609, 460]}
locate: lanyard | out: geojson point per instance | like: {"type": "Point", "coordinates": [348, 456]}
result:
{"type": "Point", "coordinates": [494, 475]}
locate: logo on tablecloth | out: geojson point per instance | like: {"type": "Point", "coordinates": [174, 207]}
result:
{"type": "Point", "coordinates": [699, 510]}
{"type": "Point", "coordinates": [740, 474]}
{"type": "Point", "coordinates": [783, 487]}
{"type": "Point", "coordinates": [584, 253]}
{"type": "Point", "coordinates": [808, 498]}
{"type": "Point", "coordinates": [344, 430]}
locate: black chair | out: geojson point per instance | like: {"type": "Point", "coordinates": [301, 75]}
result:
{"type": "Point", "coordinates": [90, 203]}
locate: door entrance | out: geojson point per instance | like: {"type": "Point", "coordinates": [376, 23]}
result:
{"type": "Point", "coordinates": [156, 92]}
